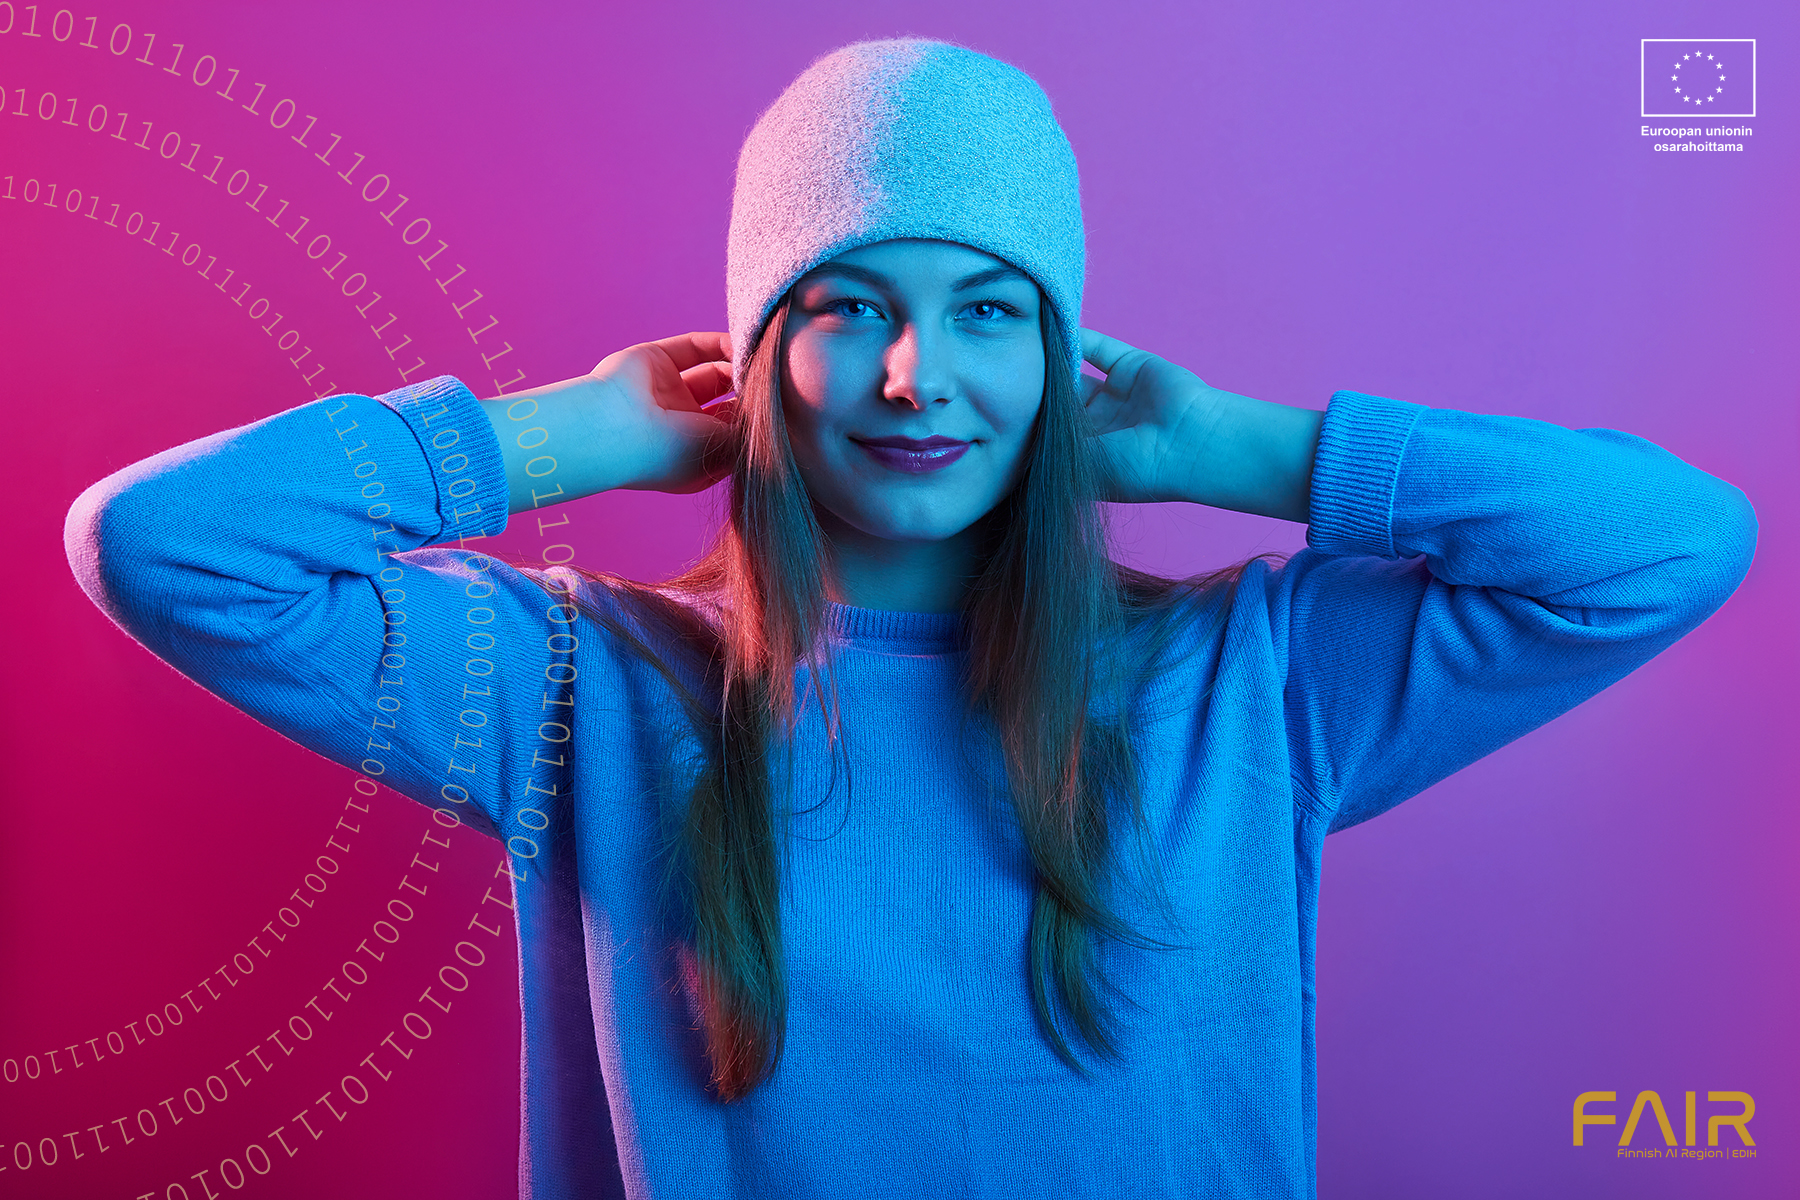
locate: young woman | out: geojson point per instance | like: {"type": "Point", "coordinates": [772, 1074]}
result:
{"type": "Point", "coordinates": [906, 845]}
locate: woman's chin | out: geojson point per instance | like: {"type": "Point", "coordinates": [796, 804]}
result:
{"type": "Point", "coordinates": [912, 524]}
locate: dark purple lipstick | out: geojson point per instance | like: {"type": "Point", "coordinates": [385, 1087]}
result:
{"type": "Point", "coordinates": [913, 455]}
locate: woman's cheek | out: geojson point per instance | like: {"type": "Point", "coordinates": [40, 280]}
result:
{"type": "Point", "coordinates": [802, 431]}
{"type": "Point", "coordinates": [1009, 474]}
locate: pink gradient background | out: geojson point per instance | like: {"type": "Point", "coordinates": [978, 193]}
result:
{"type": "Point", "coordinates": [1424, 201]}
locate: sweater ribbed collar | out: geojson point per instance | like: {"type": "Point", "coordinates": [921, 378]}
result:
{"type": "Point", "coordinates": [916, 631]}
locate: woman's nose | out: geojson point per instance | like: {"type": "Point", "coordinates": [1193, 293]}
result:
{"type": "Point", "coordinates": [919, 369]}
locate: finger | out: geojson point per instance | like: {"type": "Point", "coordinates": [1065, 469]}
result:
{"type": "Point", "coordinates": [1104, 352]}
{"type": "Point", "coordinates": [692, 349]}
{"type": "Point", "coordinates": [708, 381]}
{"type": "Point", "coordinates": [1091, 387]}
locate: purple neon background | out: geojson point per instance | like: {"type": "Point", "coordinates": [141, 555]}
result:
{"type": "Point", "coordinates": [1450, 207]}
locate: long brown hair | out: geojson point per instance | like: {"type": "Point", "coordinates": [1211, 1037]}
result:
{"type": "Point", "coordinates": [1056, 635]}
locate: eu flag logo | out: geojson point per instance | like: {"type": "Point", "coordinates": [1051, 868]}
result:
{"type": "Point", "coordinates": [1697, 77]}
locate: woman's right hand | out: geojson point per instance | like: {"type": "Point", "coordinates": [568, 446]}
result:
{"type": "Point", "coordinates": [635, 421]}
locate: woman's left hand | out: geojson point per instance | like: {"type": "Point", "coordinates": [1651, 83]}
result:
{"type": "Point", "coordinates": [1148, 415]}
{"type": "Point", "coordinates": [1166, 434]}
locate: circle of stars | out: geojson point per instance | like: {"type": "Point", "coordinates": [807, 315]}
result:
{"type": "Point", "coordinates": [1698, 61]}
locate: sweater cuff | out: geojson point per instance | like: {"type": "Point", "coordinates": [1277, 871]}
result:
{"type": "Point", "coordinates": [1355, 473]}
{"type": "Point", "coordinates": [459, 442]}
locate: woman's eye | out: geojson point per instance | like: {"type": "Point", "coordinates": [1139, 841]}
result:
{"type": "Point", "coordinates": [992, 310]}
{"type": "Point", "coordinates": [841, 307]}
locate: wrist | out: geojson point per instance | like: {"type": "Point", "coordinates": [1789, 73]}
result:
{"type": "Point", "coordinates": [1248, 455]}
{"type": "Point", "coordinates": [548, 444]}
{"type": "Point", "coordinates": [1192, 450]}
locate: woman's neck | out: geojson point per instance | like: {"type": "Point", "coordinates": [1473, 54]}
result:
{"type": "Point", "coordinates": [899, 576]}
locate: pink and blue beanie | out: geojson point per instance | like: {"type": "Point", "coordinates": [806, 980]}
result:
{"type": "Point", "coordinates": [906, 137]}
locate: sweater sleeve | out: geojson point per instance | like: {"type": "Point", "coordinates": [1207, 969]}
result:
{"type": "Point", "coordinates": [1468, 578]}
{"type": "Point", "coordinates": [288, 567]}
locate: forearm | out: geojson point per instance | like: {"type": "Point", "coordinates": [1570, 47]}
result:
{"type": "Point", "coordinates": [189, 542]}
{"type": "Point", "coordinates": [1249, 456]}
{"type": "Point", "coordinates": [1551, 562]}
{"type": "Point", "coordinates": [584, 435]}
{"type": "Point", "coordinates": [271, 565]}
{"type": "Point", "coordinates": [552, 442]}
{"type": "Point", "coordinates": [1605, 534]}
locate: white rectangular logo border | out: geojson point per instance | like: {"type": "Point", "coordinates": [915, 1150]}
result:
{"type": "Point", "coordinates": [1643, 95]}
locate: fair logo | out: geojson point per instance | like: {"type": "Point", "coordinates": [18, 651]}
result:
{"type": "Point", "coordinates": [1588, 1112]}
{"type": "Point", "coordinates": [1697, 77]}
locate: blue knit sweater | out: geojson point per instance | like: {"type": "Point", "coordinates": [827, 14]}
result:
{"type": "Point", "coordinates": [1466, 579]}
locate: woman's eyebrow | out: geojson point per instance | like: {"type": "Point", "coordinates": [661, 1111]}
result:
{"type": "Point", "coordinates": [877, 280]}
{"type": "Point", "coordinates": [991, 275]}
{"type": "Point", "coordinates": [874, 279]}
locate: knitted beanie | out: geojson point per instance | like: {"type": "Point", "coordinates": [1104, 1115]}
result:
{"type": "Point", "coordinates": [903, 138]}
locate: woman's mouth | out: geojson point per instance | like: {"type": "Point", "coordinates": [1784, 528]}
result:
{"type": "Point", "coordinates": [913, 455]}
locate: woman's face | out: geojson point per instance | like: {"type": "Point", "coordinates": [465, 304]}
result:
{"type": "Point", "coordinates": [912, 372]}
